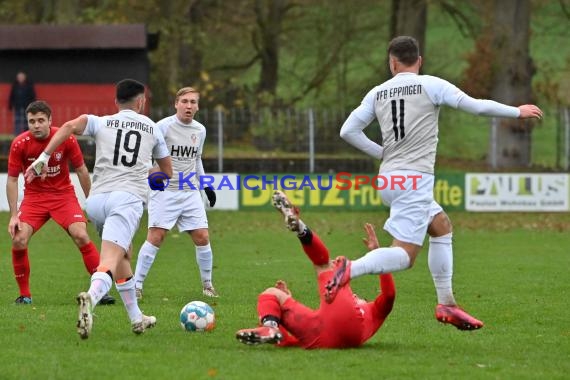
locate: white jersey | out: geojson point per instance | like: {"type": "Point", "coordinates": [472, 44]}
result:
{"type": "Point", "coordinates": [407, 108]}
{"type": "Point", "coordinates": [126, 143]}
{"type": "Point", "coordinates": [185, 143]}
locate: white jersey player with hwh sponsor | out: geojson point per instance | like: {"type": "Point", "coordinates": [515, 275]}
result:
{"type": "Point", "coordinates": [180, 203]}
{"type": "Point", "coordinates": [126, 144]}
{"type": "Point", "coordinates": [185, 143]}
{"type": "Point", "coordinates": [407, 109]}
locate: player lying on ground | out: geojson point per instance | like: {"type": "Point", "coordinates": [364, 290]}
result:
{"type": "Point", "coordinates": [347, 322]}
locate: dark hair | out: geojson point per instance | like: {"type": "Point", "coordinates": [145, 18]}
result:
{"type": "Point", "coordinates": [38, 106]}
{"type": "Point", "coordinates": [127, 89]}
{"type": "Point", "coordinates": [405, 49]}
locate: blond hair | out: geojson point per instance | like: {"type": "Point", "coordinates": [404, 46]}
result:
{"type": "Point", "coordinates": [185, 90]}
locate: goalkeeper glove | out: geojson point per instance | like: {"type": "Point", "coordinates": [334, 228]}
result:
{"type": "Point", "coordinates": [211, 195]}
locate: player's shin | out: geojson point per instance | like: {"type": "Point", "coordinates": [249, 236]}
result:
{"type": "Point", "coordinates": [268, 310]}
{"type": "Point", "coordinates": [21, 266]}
{"type": "Point", "coordinates": [90, 257]}
{"type": "Point", "coordinates": [440, 262]}
{"type": "Point", "coordinates": [101, 282]}
{"type": "Point", "coordinates": [381, 260]}
{"type": "Point", "coordinates": [145, 259]}
{"type": "Point", "coordinates": [126, 289]}
{"type": "Point", "coordinates": [314, 248]}
{"type": "Point", "coordinates": [204, 259]}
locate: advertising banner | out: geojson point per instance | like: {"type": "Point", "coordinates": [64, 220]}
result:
{"type": "Point", "coordinates": [472, 191]}
{"type": "Point", "coordinates": [516, 192]}
{"type": "Point", "coordinates": [339, 190]}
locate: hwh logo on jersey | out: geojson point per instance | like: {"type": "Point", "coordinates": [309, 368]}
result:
{"type": "Point", "coordinates": [184, 151]}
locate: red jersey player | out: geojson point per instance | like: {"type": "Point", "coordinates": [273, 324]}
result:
{"type": "Point", "coordinates": [347, 322]}
{"type": "Point", "coordinates": [53, 197]}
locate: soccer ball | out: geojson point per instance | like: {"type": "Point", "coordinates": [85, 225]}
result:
{"type": "Point", "coordinates": [197, 316]}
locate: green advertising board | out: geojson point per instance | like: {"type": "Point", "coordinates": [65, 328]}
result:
{"type": "Point", "coordinates": [338, 191]}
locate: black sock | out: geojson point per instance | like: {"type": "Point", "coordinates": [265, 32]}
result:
{"type": "Point", "coordinates": [270, 320]}
{"type": "Point", "coordinates": [306, 237]}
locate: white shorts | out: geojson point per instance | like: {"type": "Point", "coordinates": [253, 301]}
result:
{"type": "Point", "coordinates": [116, 215]}
{"type": "Point", "coordinates": [411, 209]}
{"type": "Point", "coordinates": [185, 209]}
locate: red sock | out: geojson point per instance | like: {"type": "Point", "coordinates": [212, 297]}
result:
{"type": "Point", "coordinates": [268, 304]}
{"type": "Point", "coordinates": [314, 248]}
{"type": "Point", "coordinates": [21, 266]}
{"type": "Point", "coordinates": [90, 257]}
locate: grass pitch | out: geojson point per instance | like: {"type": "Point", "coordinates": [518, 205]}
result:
{"type": "Point", "coordinates": [511, 271]}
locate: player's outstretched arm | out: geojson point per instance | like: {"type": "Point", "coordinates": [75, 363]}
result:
{"type": "Point", "coordinates": [486, 107]}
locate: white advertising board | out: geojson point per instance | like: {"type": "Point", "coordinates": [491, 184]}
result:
{"type": "Point", "coordinates": [516, 192]}
{"type": "Point", "coordinates": [226, 199]}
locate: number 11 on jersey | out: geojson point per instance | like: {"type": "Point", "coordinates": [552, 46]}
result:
{"type": "Point", "coordinates": [398, 117]}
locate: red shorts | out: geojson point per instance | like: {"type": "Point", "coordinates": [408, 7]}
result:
{"type": "Point", "coordinates": [336, 325]}
{"type": "Point", "coordinates": [36, 210]}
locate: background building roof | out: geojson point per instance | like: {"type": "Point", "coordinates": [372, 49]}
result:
{"type": "Point", "coordinates": [30, 37]}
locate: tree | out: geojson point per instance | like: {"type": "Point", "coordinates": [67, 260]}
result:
{"type": "Point", "coordinates": [192, 49]}
{"type": "Point", "coordinates": [512, 73]}
{"type": "Point", "coordinates": [409, 18]}
{"type": "Point", "coordinates": [269, 16]}
{"type": "Point", "coordinates": [500, 68]}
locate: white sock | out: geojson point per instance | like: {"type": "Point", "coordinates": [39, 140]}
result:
{"type": "Point", "coordinates": [204, 258]}
{"type": "Point", "coordinates": [302, 228]}
{"type": "Point", "coordinates": [440, 262]}
{"type": "Point", "coordinates": [380, 261]}
{"type": "Point", "coordinates": [271, 323]}
{"type": "Point", "coordinates": [101, 283]}
{"type": "Point", "coordinates": [146, 257]}
{"type": "Point", "coordinates": [129, 297]}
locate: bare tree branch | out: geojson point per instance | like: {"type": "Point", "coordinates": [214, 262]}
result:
{"type": "Point", "coordinates": [321, 74]}
{"type": "Point", "coordinates": [462, 21]}
{"type": "Point", "coordinates": [564, 8]}
{"type": "Point", "coordinates": [239, 66]}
